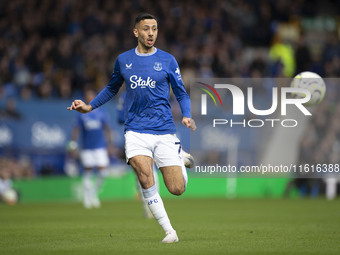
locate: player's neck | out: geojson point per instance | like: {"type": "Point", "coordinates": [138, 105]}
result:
{"type": "Point", "coordinates": [144, 50]}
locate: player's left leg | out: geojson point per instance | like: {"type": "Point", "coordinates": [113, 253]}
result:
{"type": "Point", "coordinates": [168, 157]}
{"type": "Point", "coordinates": [175, 179]}
{"type": "Point", "coordinates": [169, 160]}
{"type": "Point", "coordinates": [102, 160]}
{"type": "Point", "coordinates": [188, 159]}
{"type": "Point", "coordinates": [331, 183]}
{"type": "Point", "coordinates": [100, 177]}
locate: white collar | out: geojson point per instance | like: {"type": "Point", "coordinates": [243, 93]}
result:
{"type": "Point", "coordinates": [145, 54]}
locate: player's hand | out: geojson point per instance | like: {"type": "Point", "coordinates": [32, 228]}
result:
{"type": "Point", "coordinates": [72, 149]}
{"type": "Point", "coordinates": [189, 123]}
{"type": "Point", "coordinates": [80, 106]}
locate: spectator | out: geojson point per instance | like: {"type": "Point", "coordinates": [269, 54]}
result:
{"type": "Point", "coordinates": [10, 111]}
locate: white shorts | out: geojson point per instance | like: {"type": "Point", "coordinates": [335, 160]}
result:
{"type": "Point", "coordinates": [164, 149]}
{"type": "Point", "coordinates": [94, 158]}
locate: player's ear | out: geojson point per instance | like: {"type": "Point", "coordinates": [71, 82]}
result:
{"type": "Point", "coordinates": [135, 32]}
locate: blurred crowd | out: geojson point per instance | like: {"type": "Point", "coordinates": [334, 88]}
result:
{"type": "Point", "coordinates": [320, 150]}
{"type": "Point", "coordinates": [321, 141]}
{"type": "Point", "coordinates": [11, 167]}
{"type": "Point", "coordinates": [55, 49]}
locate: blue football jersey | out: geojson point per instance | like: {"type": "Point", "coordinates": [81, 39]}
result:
{"type": "Point", "coordinates": [147, 79]}
{"type": "Point", "coordinates": [92, 129]}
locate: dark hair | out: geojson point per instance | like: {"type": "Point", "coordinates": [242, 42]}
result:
{"type": "Point", "coordinates": [143, 16]}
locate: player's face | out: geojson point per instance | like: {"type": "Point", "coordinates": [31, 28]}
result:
{"type": "Point", "coordinates": [146, 33]}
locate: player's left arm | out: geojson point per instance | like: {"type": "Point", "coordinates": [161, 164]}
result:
{"type": "Point", "coordinates": [108, 134]}
{"type": "Point", "coordinates": [181, 94]}
{"type": "Point", "coordinates": [72, 145]}
{"type": "Point", "coordinates": [76, 129]}
{"type": "Point", "coordinates": [189, 123]}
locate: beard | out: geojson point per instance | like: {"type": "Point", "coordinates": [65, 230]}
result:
{"type": "Point", "coordinates": [145, 44]}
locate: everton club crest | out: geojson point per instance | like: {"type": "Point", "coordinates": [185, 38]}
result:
{"type": "Point", "coordinates": [157, 66]}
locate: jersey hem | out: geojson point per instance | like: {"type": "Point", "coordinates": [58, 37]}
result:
{"type": "Point", "coordinates": [153, 132]}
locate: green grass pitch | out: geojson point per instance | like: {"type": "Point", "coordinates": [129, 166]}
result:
{"type": "Point", "coordinates": [204, 226]}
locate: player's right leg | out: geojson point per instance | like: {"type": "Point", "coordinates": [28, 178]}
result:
{"type": "Point", "coordinates": [87, 188]}
{"type": "Point", "coordinates": [88, 162]}
{"type": "Point", "coordinates": [331, 189]}
{"type": "Point", "coordinates": [90, 159]}
{"type": "Point", "coordinates": [142, 165]}
{"type": "Point", "coordinates": [147, 212]}
{"type": "Point", "coordinates": [139, 152]}
{"type": "Point", "coordinates": [143, 169]}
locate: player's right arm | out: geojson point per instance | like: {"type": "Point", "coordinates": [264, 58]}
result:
{"type": "Point", "coordinates": [80, 106]}
{"type": "Point", "coordinates": [111, 89]}
{"type": "Point", "coordinates": [104, 96]}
